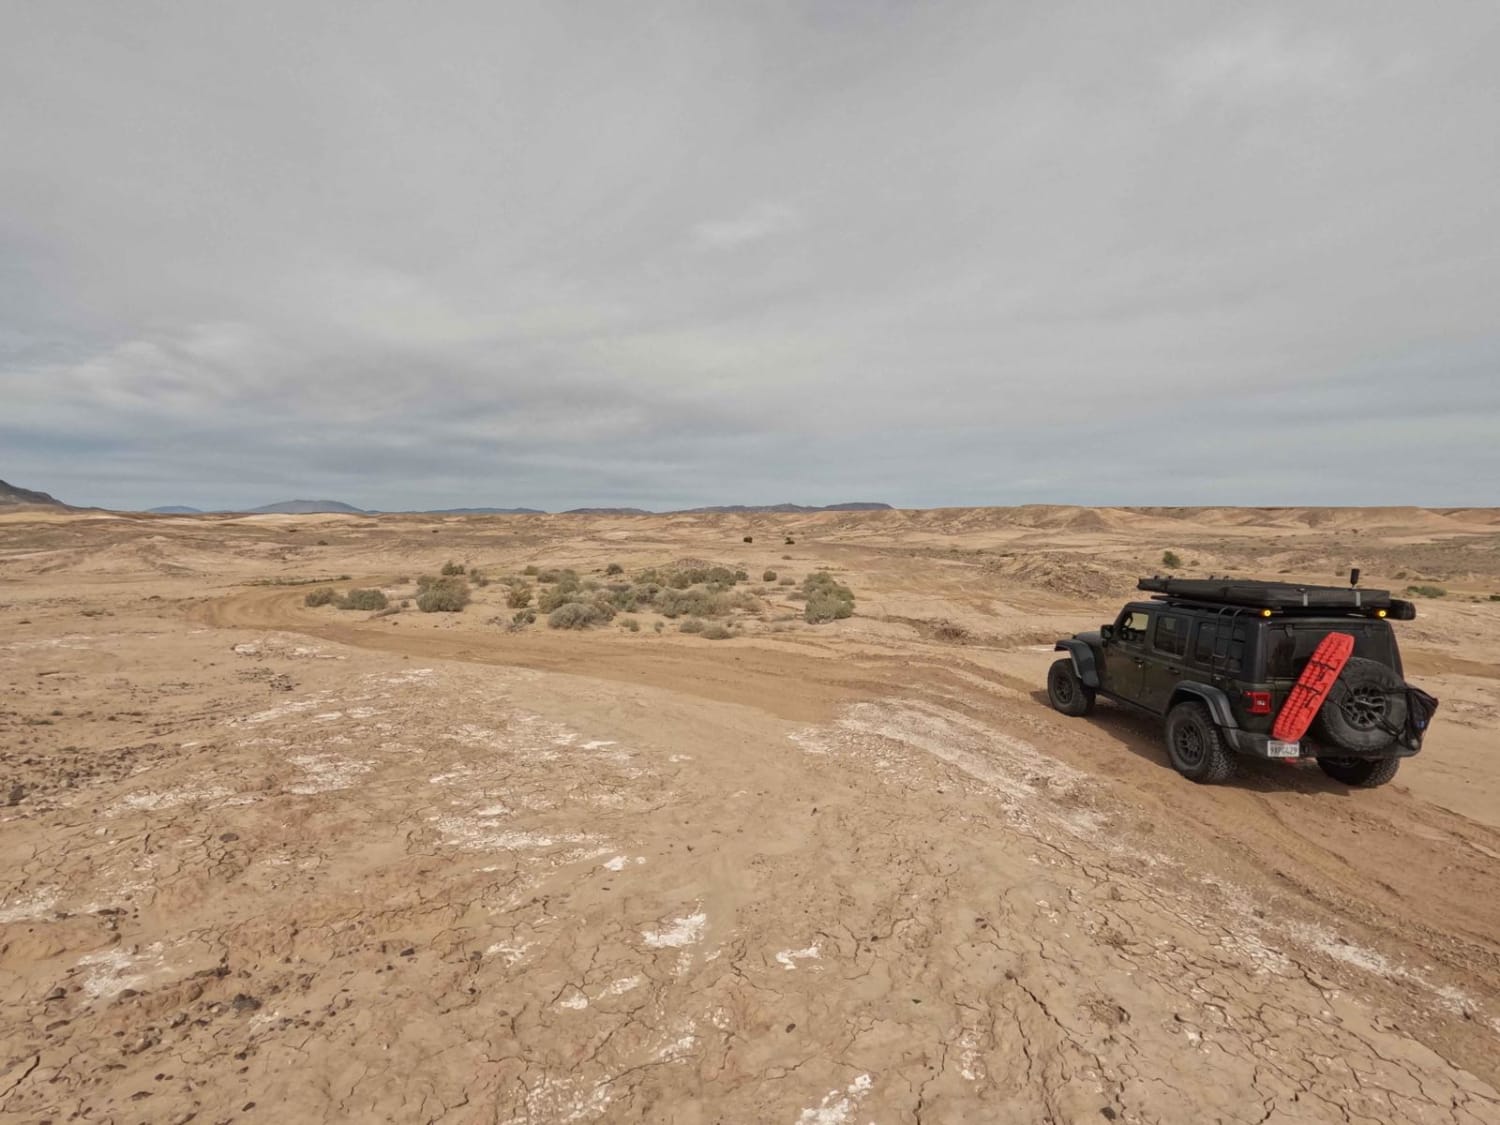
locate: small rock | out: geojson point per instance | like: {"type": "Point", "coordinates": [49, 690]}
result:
{"type": "Point", "coordinates": [244, 1003]}
{"type": "Point", "coordinates": [56, 994]}
{"type": "Point", "coordinates": [229, 837]}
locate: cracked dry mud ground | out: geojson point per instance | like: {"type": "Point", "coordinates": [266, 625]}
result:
{"type": "Point", "coordinates": [271, 864]}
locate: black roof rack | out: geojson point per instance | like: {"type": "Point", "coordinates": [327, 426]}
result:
{"type": "Point", "coordinates": [1255, 594]}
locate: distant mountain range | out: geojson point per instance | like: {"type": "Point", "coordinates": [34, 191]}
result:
{"type": "Point", "coordinates": [12, 496]}
{"type": "Point", "coordinates": [322, 507]}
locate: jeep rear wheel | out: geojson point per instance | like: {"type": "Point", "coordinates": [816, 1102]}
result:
{"type": "Point", "coordinates": [1361, 773]}
{"type": "Point", "coordinates": [1066, 692]}
{"type": "Point", "coordinates": [1195, 747]}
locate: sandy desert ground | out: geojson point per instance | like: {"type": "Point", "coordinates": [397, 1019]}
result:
{"type": "Point", "coordinates": [266, 862]}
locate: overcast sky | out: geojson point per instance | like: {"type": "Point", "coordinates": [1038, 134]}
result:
{"type": "Point", "coordinates": [553, 254]}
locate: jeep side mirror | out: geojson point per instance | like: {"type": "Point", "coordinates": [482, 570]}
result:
{"type": "Point", "coordinates": [1107, 632]}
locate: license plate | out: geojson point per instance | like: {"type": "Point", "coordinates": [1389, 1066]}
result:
{"type": "Point", "coordinates": [1276, 749]}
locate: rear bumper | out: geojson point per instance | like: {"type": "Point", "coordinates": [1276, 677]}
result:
{"type": "Point", "coordinates": [1253, 744]}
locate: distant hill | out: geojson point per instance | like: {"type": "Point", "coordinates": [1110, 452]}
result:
{"type": "Point", "coordinates": [607, 512]}
{"type": "Point", "coordinates": [174, 510]}
{"type": "Point", "coordinates": [852, 506]}
{"type": "Point", "coordinates": [483, 512]}
{"type": "Point", "coordinates": [306, 508]}
{"type": "Point", "coordinates": [11, 496]}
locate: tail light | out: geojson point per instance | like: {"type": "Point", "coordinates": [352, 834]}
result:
{"type": "Point", "coordinates": [1257, 702]}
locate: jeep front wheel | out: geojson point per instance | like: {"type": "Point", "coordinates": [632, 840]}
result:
{"type": "Point", "coordinates": [1066, 691]}
{"type": "Point", "coordinates": [1361, 773]}
{"type": "Point", "coordinates": [1195, 747]}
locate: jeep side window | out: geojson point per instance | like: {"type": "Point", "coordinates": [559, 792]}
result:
{"type": "Point", "coordinates": [1171, 635]}
{"type": "Point", "coordinates": [1132, 627]}
{"type": "Point", "coordinates": [1203, 644]}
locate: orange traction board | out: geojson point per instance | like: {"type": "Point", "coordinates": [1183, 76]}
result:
{"type": "Point", "coordinates": [1312, 687]}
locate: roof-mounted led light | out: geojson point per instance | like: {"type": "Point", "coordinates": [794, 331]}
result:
{"type": "Point", "coordinates": [1380, 613]}
{"type": "Point", "coordinates": [1265, 613]}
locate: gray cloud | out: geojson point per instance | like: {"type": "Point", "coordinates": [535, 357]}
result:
{"type": "Point", "coordinates": [565, 254]}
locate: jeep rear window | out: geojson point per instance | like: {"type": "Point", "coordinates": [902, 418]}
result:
{"type": "Point", "coordinates": [1288, 646]}
{"type": "Point", "coordinates": [1231, 657]}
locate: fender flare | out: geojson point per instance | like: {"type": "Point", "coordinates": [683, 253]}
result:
{"type": "Point", "coordinates": [1213, 698]}
{"type": "Point", "coordinates": [1083, 660]}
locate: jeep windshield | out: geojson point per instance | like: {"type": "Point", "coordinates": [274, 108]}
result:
{"type": "Point", "coordinates": [1289, 642]}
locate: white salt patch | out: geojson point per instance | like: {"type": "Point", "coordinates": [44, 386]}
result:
{"type": "Point", "coordinates": [170, 798]}
{"type": "Point", "coordinates": [35, 905]}
{"type": "Point", "coordinates": [280, 711]}
{"type": "Point", "coordinates": [616, 864]}
{"type": "Point", "coordinates": [512, 951]}
{"type": "Point", "coordinates": [620, 987]}
{"type": "Point", "coordinates": [113, 970]}
{"type": "Point", "coordinates": [687, 930]}
{"type": "Point", "coordinates": [325, 773]}
{"type": "Point", "coordinates": [493, 810]}
{"type": "Point", "coordinates": [837, 1105]}
{"type": "Point", "coordinates": [577, 1002]}
{"type": "Point", "coordinates": [597, 744]}
{"type": "Point", "coordinates": [788, 958]}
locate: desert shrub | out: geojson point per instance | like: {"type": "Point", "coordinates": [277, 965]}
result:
{"type": "Point", "coordinates": [692, 625]}
{"type": "Point", "coordinates": [554, 574]}
{"type": "Point", "coordinates": [742, 575]}
{"type": "Point", "coordinates": [322, 542]}
{"type": "Point", "coordinates": [828, 599]}
{"type": "Point", "coordinates": [403, 580]}
{"type": "Point", "coordinates": [523, 617]}
{"type": "Point", "coordinates": [444, 595]}
{"type": "Point", "coordinates": [950, 631]}
{"type": "Point", "coordinates": [787, 581]}
{"type": "Point", "coordinates": [1170, 560]}
{"type": "Point", "coordinates": [1495, 597]}
{"type": "Point", "coordinates": [715, 632]}
{"type": "Point", "coordinates": [452, 569]}
{"type": "Point", "coordinates": [578, 615]}
{"type": "Point", "coordinates": [749, 539]}
{"type": "Point", "coordinates": [657, 626]}
{"type": "Point", "coordinates": [363, 599]}
{"type": "Point", "coordinates": [519, 597]}
{"type": "Point", "coordinates": [768, 576]}
{"type": "Point", "coordinates": [531, 571]}
{"type": "Point", "coordinates": [405, 603]}
{"type": "Point", "coordinates": [691, 603]}
{"type": "Point", "coordinates": [324, 595]}
{"type": "Point", "coordinates": [614, 568]}
{"type": "Point", "coordinates": [789, 541]}
{"type": "Point", "coordinates": [1427, 591]}
{"type": "Point", "coordinates": [477, 577]}
{"type": "Point", "coordinates": [631, 624]}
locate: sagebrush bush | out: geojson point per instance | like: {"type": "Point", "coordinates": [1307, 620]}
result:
{"type": "Point", "coordinates": [363, 599]}
{"type": "Point", "coordinates": [1427, 591]}
{"type": "Point", "coordinates": [631, 624]}
{"type": "Point", "coordinates": [451, 568]}
{"type": "Point", "coordinates": [324, 595]}
{"type": "Point", "coordinates": [519, 597]}
{"type": "Point", "coordinates": [523, 617]}
{"type": "Point", "coordinates": [692, 625]}
{"type": "Point", "coordinates": [828, 599]}
{"type": "Point", "coordinates": [443, 595]}
{"type": "Point", "coordinates": [768, 576]}
{"type": "Point", "coordinates": [578, 615]}
{"type": "Point", "coordinates": [1170, 560]}
{"type": "Point", "coordinates": [691, 603]}
{"type": "Point", "coordinates": [715, 632]}
{"type": "Point", "coordinates": [787, 581]}
{"type": "Point", "coordinates": [531, 571]}
{"type": "Point", "coordinates": [614, 568]}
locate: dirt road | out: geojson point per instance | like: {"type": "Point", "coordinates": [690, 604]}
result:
{"type": "Point", "coordinates": [280, 862]}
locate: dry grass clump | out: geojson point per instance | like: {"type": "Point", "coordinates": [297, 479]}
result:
{"type": "Point", "coordinates": [580, 615]}
{"type": "Point", "coordinates": [828, 599]}
{"type": "Point", "coordinates": [322, 596]}
{"type": "Point", "coordinates": [368, 600]}
{"type": "Point", "coordinates": [613, 569]}
{"type": "Point", "coordinates": [1427, 591]}
{"type": "Point", "coordinates": [447, 594]}
{"type": "Point", "coordinates": [768, 576]}
{"type": "Point", "coordinates": [519, 597]}
{"type": "Point", "coordinates": [452, 569]}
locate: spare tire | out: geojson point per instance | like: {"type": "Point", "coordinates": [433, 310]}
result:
{"type": "Point", "coordinates": [1365, 709]}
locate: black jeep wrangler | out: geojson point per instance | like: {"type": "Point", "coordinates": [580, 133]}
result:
{"type": "Point", "coordinates": [1217, 657]}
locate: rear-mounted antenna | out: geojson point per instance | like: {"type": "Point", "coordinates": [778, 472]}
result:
{"type": "Point", "coordinates": [1354, 576]}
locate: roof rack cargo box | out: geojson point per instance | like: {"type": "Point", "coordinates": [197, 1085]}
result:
{"type": "Point", "coordinates": [1277, 595]}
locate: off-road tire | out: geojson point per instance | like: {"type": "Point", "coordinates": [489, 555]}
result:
{"type": "Point", "coordinates": [1365, 709]}
{"type": "Point", "coordinates": [1360, 773]}
{"type": "Point", "coordinates": [1195, 747]}
{"type": "Point", "coordinates": [1066, 692]}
